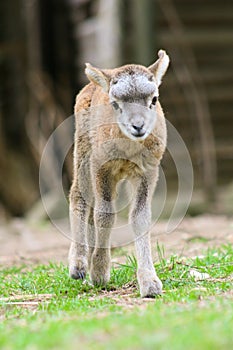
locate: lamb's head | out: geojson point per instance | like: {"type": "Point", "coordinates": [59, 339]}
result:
{"type": "Point", "coordinates": [133, 92]}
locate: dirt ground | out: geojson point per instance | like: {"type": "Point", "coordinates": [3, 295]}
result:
{"type": "Point", "coordinates": [23, 242]}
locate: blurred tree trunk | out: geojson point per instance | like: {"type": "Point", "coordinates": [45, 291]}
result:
{"type": "Point", "coordinates": [18, 176]}
{"type": "Point", "coordinates": [144, 12]}
{"type": "Point", "coordinates": [36, 92]}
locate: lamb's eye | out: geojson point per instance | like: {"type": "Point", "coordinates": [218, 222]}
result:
{"type": "Point", "coordinates": [114, 81]}
{"type": "Point", "coordinates": [115, 105]}
{"type": "Point", "coordinates": [154, 100]}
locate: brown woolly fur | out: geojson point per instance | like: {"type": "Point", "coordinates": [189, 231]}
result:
{"type": "Point", "coordinates": [120, 134]}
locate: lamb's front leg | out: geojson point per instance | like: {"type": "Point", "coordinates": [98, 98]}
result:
{"type": "Point", "coordinates": [149, 283]}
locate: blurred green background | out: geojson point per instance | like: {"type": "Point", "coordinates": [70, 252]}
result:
{"type": "Point", "coordinates": [43, 47]}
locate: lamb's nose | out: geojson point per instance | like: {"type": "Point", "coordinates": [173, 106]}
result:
{"type": "Point", "coordinates": [138, 128]}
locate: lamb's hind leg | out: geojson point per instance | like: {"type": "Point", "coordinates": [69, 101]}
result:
{"type": "Point", "coordinates": [101, 257]}
{"type": "Point", "coordinates": [78, 248]}
{"type": "Point", "coordinates": [149, 283]}
{"type": "Point", "coordinates": [104, 220]}
{"type": "Point", "coordinates": [91, 236]}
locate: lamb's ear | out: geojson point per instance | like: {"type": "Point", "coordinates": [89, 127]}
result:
{"type": "Point", "coordinates": [97, 76]}
{"type": "Point", "coordinates": [160, 66]}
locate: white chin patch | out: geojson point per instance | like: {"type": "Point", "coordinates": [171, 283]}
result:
{"type": "Point", "coordinates": [140, 138]}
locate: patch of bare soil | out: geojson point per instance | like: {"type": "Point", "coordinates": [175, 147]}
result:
{"type": "Point", "coordinates": [194, 235]}
{"type": "Point", "coordinates": [126, 297]}
{"type": "Point", "coordinates": [23, 242]}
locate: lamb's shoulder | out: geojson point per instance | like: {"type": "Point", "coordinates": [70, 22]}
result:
{"type": "Point", "coordinates": [82, 121]}
{"type": "Point", "coordinates": [99, 98]}
{"type": "Point", "coordinates": [84, 98]}
{"type": "Point", "coordinates": [104, 127]}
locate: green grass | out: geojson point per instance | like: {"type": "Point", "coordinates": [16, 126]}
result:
{"type": "Point", "coordinates": [42, 308]}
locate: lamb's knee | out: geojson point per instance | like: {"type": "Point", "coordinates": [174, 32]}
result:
{"type": "Point", "coordinates": [140, 221]}
{"type": "Point", "coordinates": [104, 219]}
{"type": "Point", "coordinates": [77, 202]}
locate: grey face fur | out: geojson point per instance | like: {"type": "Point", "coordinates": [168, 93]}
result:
{"type": "Point", "coordinates": [134, 97]}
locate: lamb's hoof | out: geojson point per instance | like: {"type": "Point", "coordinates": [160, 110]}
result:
{"type": "Point", "coordinates": [100, 279]}
{"type": "Point", "coordinates": [149, 283]}
{"type": "Point", "coordinates": [151, 288]}
{"type": "Point", "coordinates": [77, 273]}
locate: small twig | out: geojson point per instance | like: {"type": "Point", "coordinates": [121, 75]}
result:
{"type": "Point", "coordinates": [21, 303]}
{"type": "Point", "coordinates": [26, 298]}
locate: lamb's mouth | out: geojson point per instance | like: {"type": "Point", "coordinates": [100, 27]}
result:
{"type": "Point", "coordinates": [139, 137]}
{"type": "Point", "coordinates": [138, 134]}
